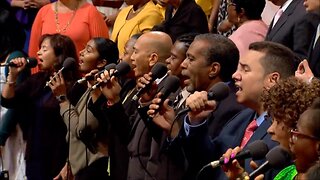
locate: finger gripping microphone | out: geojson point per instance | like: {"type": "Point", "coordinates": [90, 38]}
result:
{"type": "Point", "coordinates": [121, 69]}
{"type": "Point", "coordinates": [158, 71]}
{"type": "Point", "coordinates": [91, 77]}
{"type": "Point", "coordinates": [67, 64]}
{"type": "Point", "coordinates": [277, 158]}
{"type": "Point", "coordinates": [218, 92]}
{"type": "Point", "coordinates": [30, 63]}
{"type": "Point", "coordinates": [256, 150]}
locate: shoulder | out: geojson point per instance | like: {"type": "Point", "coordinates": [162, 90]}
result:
{"type": "Point", "coordinates": [150, 7]}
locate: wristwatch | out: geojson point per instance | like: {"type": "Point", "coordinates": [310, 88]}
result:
{"type": "Point", "coordinates": [61, 98]}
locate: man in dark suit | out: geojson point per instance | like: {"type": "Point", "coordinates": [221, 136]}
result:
{"type": "Point", "coordinates": [210, 59]}
{"type": "Point", "coordinates": [150, 48]}
{"type": "Point", "coordinates": [264, 65]}
{"type": "Point", "coordinates": [313, 6]}
{"type": "Point", "coordinates": [292, 27]}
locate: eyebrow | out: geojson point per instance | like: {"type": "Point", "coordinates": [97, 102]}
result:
{"type": "Point", "coordinates": [243, 65]}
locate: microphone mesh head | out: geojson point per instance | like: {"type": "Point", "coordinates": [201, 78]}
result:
{"type": "Point", "coordinates": [69, 63]}
{"type": "Point", "coordinates": [123, 68]}
{"type": "Point", "coordinates": [32, 62]}
{"type": "Point", "coordinates": [159, 70]}
{"type": "Point", "coordinates": [278, 158]}
{"type": "Point", "coordinates": [258, 149]}
{"type": "Point", "coordinates": [218, 92]}
{"type": "Point", "coordinates": [172, 83]}
{"type": "Point", "coordinates": [110, 66]}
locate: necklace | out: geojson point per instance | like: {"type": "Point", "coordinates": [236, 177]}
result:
{"type": "Point", "coordinates": [58, 30]}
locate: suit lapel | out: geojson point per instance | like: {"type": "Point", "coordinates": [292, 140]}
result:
{"type": "Point", "coordinates": [285, 15]}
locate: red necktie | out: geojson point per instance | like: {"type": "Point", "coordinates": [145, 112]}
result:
{"type": "Point", "coordinates": [249, 132]}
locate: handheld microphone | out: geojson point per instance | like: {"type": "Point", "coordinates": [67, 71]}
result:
{"type": "Point", "coordinates": [68, 63]}
{"type": "Point", "coordinates": [256, 150]}
{"type": "Point", "coordinates": [31, 63]}
{"type": "Point", "coordinates": [91, 77]}
{"type": "Point", "coordinates": [277, 158]}
{"type": "Point", "coordinates": [218, 92]}
{"type": "Point", "coordinates": [171, 84]}
{"type": "Point", "coordinates": [158, 71]}
{"type": "Point", "coordinates": [121, 69]}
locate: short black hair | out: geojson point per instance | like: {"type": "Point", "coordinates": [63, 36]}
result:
{"type": "Point", "coordinates": [278, 58]}
{"type": "Point", "coordinates": [252, 8]}
{"type": "Point", "coordinates": [107, 49]}
{"type": "Point", "coordinates": [187, 38]}
{"type": "Point", "coordinates": [223, 51]}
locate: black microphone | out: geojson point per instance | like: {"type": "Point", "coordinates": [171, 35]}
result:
{"type": "Point", "coordinates": [256, 150]}
{"type": "Point", "coordinates": [277, 158]}
{"type": "Point", "coordinates": [68, 63]}
{"type": "Point", "coordinates": [31, 63]}
{"type": "Point", "coordinates": [91, 77]}
{"type": "Point", "coordinates": [158, 71]}
{"type": "Point", "coordinates": [121, 69]}
{"type": "Point", "coordinates": [171, 84]}
{"type": "Point", "coordinates": [218, 92]}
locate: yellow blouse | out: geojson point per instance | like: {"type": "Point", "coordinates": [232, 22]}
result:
{"type": "Point", "coordinates": [123, 29]}
{"type": "Point", "coordinates": [206, 6]}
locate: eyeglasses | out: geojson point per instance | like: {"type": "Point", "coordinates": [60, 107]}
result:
{"type": "Point", "coordinates": [295, 133]}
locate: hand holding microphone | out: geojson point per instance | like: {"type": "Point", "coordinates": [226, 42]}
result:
{"type": "Point", "coordinates": [91, 76]}
{"type": "Point", "coordinates": [120, 69]}
{"type": "Point", "coordinates": [18, 64]}
{"type": "Point", "coordinates": [67, 64]}
{"type": "Point", "coordinates": [256, 150]}
{"type": "Point", "coordinates": [159, 70]}
{"type": "Point", "coordinates": [111, 88]}
{"type": "Point", "coordinates": [160, 111]}
{"type": "Point", "coordinates": [200, 104]}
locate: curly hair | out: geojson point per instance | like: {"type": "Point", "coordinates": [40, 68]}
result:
{"type": "Point", "coordinates": [288, 99]}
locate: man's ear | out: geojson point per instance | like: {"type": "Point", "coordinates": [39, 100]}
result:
{"type": "Point", "coordinates": [273, 78]}
{"type": "Point", "coordinates": [153, 59]}
{"type": "Point", "coordinates": [102, 63]}
{"type": "Point", "coordinates": [214, 70]}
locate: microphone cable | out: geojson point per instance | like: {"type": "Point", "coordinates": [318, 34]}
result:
{"type": "Point", "coordinates": [138, 151]}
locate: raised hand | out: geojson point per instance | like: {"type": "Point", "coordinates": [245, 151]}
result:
{"type": "Point", "coordinates": [200, 107]}
{"type": "Point", "coordinates": [144, 81]}
{"type": "Point", "coordinates": [110, 88]}
{"type": "Point", "coordinates": [163, 115]}
{"type": "Point", "coordinates": [58, 85]}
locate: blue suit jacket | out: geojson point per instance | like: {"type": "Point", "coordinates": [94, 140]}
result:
{"type": "Point", "coordinates": [201, 150]}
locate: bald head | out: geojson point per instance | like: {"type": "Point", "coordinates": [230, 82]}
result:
{"type": "Point", "coordinates": [159, 43]}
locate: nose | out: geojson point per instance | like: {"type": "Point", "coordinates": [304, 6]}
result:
{"type": "Point", "coordinates": [168, 60]}
{"type": "Point", "coordinates": [236, 76]}
{"type": "Point", "coordinates": [81, 52]}
{"type": "Point", "coordinates": [184, 64]}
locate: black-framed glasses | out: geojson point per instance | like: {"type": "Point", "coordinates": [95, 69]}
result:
{"type": "Point", "coordinates": [295, 133]}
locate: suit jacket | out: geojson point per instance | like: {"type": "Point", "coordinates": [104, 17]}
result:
{"type": "Point", "coordinates": [314, 57]}
{"type": "Point", "coordinates": [230, 137]}
{"type": "Point", "coordinates": [294, 29]}
{"type": "Point", "coordinates": [134, 132]}
{"type": "Point", "coordinates": [175, 150]}
{"type": "Point", "coordinates": [189, 18]}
